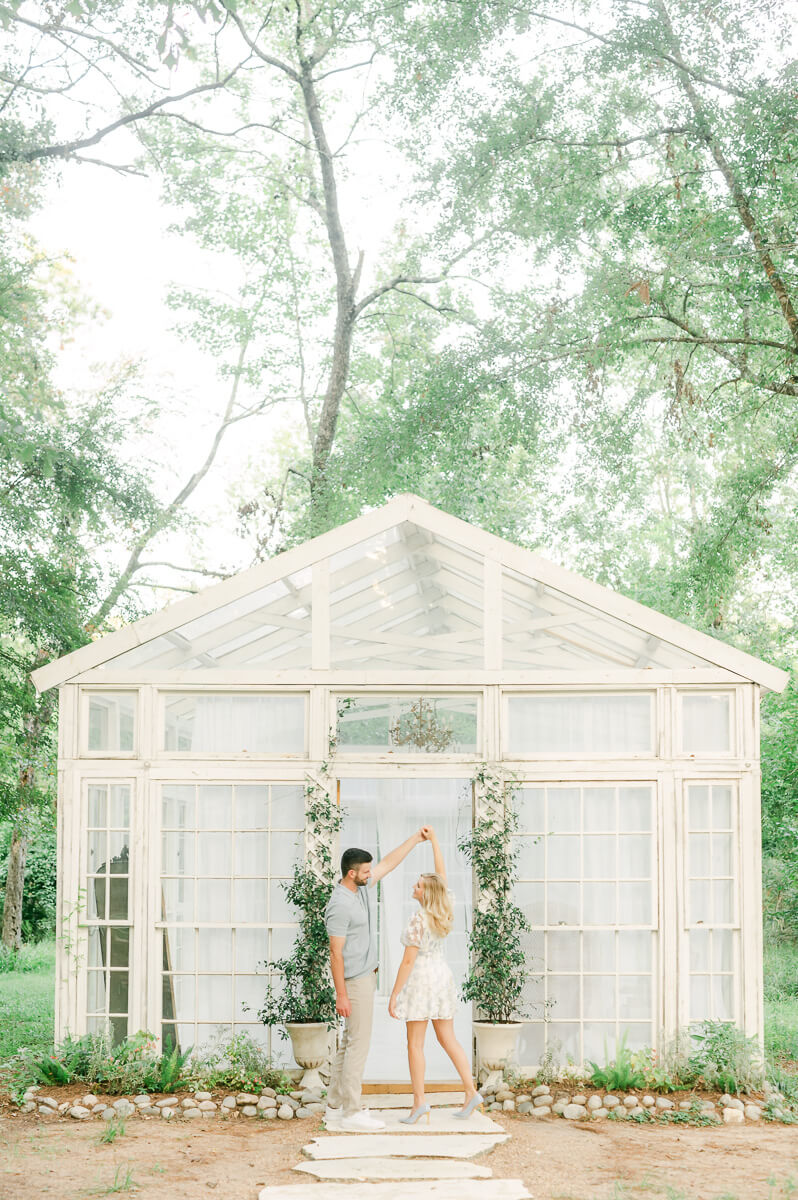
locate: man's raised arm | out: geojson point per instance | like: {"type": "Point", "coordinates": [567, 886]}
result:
{"type": "Point", "coordinates": [392, 860]}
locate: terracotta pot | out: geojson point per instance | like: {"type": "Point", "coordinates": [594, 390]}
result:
{"type": "Point", "coordinates": [310, 1042]}
{"type": "Point", "coordinates": [496, 1044]}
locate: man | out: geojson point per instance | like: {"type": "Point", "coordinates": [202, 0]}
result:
{"type": "Point", "coordinates": [351, 922]}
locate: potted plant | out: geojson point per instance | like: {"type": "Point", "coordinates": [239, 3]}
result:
{"type": "Point", "coordinates": [302, 1001]}
{"type": "Point", "coordinates": [495, 982]}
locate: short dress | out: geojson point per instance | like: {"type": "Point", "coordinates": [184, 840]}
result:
{"type": "Point", "coordinates": [430, 993]}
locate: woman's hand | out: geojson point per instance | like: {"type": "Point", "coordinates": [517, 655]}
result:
{"type": "Point", "coordinates": [392, 1006]}
{"type": "Point", "coordinates": [429, 834]}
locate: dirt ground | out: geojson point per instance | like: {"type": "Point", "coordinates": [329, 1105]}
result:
{"type": "Point", "coordinates": [558, 1160]}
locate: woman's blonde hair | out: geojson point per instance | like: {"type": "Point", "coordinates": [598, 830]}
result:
{"type": "Point", "coordinates": [436, 904]}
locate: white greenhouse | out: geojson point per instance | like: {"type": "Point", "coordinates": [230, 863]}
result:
{"type": "Point", "coordinates": [187, 740]}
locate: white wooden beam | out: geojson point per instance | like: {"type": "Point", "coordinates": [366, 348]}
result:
{"type": "Point", "coordinates": [320, 616]}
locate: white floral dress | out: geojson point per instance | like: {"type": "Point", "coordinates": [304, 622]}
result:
{"type": "Point", "coordinates": [430, 993]}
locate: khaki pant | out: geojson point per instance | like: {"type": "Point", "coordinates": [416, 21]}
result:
{"type": "Point", "coordinates": [346, 1076]}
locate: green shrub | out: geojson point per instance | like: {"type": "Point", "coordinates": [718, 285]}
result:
{"type": "Point", "coordinates": [236, 1062]}
{"type": "Point", "coordinates": [620, 1073]}
{"type": "Point", "coordinates": [781, 969]}
{"type": "Point", "coordinates": [38, 957]}
{"type": "Point", "coordinates": [39, 892]}
{"type": "Point", "coordinates": [725, 1058]}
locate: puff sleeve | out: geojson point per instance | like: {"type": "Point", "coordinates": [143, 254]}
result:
{"type": "Point", "coordinates": [414, 930]}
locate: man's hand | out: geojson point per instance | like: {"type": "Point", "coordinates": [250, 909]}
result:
{"type": "Point", "coordinates": [342, 1004]}
{"type": "Point", "coordinates": [424, 833]}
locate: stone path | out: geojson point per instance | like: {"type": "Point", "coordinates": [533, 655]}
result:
{"type": "Point", "coordinates": [431, 1160]}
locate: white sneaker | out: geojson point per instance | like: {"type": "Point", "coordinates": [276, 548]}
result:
{"type": "Point", "coordinates": [332, 1116]}
{"type": "Point", "coordinates": [361, 1122]}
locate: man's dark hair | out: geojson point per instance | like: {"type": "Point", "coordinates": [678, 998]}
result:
{"type": "Point", "coordinates": [353, 858]}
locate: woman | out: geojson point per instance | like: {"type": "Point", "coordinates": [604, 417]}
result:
{"type": "Point", "coordinates": [425, 989]}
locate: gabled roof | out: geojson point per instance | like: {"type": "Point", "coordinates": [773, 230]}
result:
{"type": "Point", "coordinates": [406, 587]}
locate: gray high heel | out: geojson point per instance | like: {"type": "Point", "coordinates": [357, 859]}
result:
{"type": "Point", "coordinates": [423, 1110]}
{"type": "Point", "coordinates": [475, 1102]}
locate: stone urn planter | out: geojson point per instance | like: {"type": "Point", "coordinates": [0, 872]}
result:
{"type": "Point", "coordinates": [310, 1042]}
{"type": "Point", "coordinates": [496, 1042]}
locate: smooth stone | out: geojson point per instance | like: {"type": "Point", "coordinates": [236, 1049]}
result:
{"type": "Point", "coordinates": [98, 1108]}
{"type": "Point", "coordinates": [267, 1091]}
{"type": "Point", "coordinates": [631, 1101]}
{"type": "Point", "coordinates": [574, 1112]}
{"type": "Point", "coordinates": [295, 1095]}
{"type": "Point", "coordinates": [558, 1107]}
{"type": "Point", "coordinates": [207, 1106]}
{"type": "Point", "coordinates": [662, 1103]}
{"type": "Point", "coordinates": [545, 1099]}
{"type": "Point", "coordinates": [203, 1096]}
{"type": "Point", "coordinates": [505, 1094]}
{"type": "Point", "coordinates": [526, 1106]}
{"type": "Point", "coordinates": [88, 1101]}
{"type": "Point", "coordinates": [509, 1106]}
{"type": "Point", "coordinates": [268, 1114]}
{"type": "Point", "coordinates": [168, 1113]}
{"type": "Point", "coordinates": [542, 1110]}
{"type": "Point", "coordinates": [291, 1102]}
{"type": "Point", "coordinates": [495, 1107]}
{"type": "Point", "coordinates": [302, 1113]}
{"type": "Point", "coordinates": [735, 1103]}
{"type": "Point", "coordinates": [263, 1102]}
{"type": "Point", "coordinates": [78, 1111]}
{"type": "Point", "coordinates": [396, 1169]}
{"type": "Point", "coordinates": [124, 1107]}
{"type": "Point", "coordinates": [152, 1111]}
{"type": "Point", "coordinates": [246, 1098]}
{"type": "Point", "coordinates": [709, 1105]}
{"type": "Point", "coordinates": [169, 1102]}
{"type": "Point", "coordinates": [752, 1111]}
{"type": "Point", "coordinates": [285, 1112]}
{"type": "Point", "coordinates": [310, 1097]}
{"type": "Point", "coordinates": [579, 1099]}
{"type": "Point", "coordinates": [141, 1101]}
{"type": "Point", "coordinates": [315, 1108]}
{"type": "Point", "coordinates": [230, 1102]}
{"type": "Point", "coordinates": [249, 1110]}
{"type": "Point", "coordinates": [108, 1114]}
{"type": "Point", "coordinates": [191, 1114]}
{"type": "Point", "coordinates": [66, 1104]}
{"type": "Point", "coordinates": [601, 1112]}
{"type": "Point", "coordinates": [638, 1111]}
{"type": "Point", "coordinates": [611, 1101]}
{"type": "Point", "coordinates": [378, 1145]}
{"type": "Point", "coordinates": [523, 1098]}
{"type": "Point", "coordinates": [648, 1101]}
{"type": "Point", "coordinates": [46, 1111]}
{"type": "Point", "coordinates": [594, 1102]}
{"type": "Point", "coordinates": [685, 1105]}
{"type": "Point", "coordinates": [724, 1099]}
{"type": "Point", "coordinates": [188, 1103]}
{"type": "Point", "coordinates": [733, 1116]}
{"type": "Point", "coordinates": [542, 1089]}
{"type": "Point", "coordinates": [48, 1101]}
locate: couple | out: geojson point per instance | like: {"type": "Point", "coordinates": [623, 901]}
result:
{"type": "Point", "coordinates": [424, 989]}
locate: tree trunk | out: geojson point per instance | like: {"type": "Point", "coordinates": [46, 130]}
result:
{"type": "Point", "coordinates": [12, 908]}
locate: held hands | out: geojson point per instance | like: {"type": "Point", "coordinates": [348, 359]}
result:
{"type": "Point", "coordinates": [342, 1005]}
{"type": "Point", "coordinates": [427, 834]}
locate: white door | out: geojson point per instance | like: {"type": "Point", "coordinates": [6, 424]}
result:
{"type": "Point", "coordinates": [379, 814]}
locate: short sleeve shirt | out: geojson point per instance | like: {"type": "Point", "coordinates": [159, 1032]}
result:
{"type": "Point", "coordinates": [351, 915]}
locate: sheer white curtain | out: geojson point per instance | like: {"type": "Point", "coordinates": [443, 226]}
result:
{"type": "Point", "coordinates": [379, 814]}
{"type": "Point", "coordinates": [553, 724]}
{"type": "Point", "coordinates": [235, 723]}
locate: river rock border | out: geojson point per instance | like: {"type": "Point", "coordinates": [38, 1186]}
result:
{"type": "Point", "coordinates": [554, 1100]}
{"type": "Point", "coordinates": [268, 1106]}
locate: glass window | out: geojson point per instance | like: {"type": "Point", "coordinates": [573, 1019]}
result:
{"type": "Point", "coordinates": [586, 876]}
{"type": "Point", "coordinates": [228, 723]}
{"type": "Point", "coordinates": [408, 724]}
{"type": "Point", "coordinates": [713, 930]}
{"type": "Point", "coordinates": [227, 849]}
{"type": "Point", "coordinates": [112, 722]}
{"type": "Point", "coordinates": [706, 723]}
{"type": "Point", "coordinates": [107, 907]}
{"type": "Point", "coordinates": [589, 724]}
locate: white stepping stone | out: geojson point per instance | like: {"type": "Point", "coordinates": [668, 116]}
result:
{"type": "Point", "coordinates": [441, 1120]}
{"type": "Point", "coordinates": [360, 1169]}
{"type": "Point", "coordinates": [405, 1099]}
{"type": "Point", "coordinates": [403, 1145]}
{"type": "Point", "coordinates": [464, 1189]}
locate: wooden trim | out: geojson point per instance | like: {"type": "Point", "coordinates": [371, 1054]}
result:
{"type": "Point", "coordinates": [530, 679]}
{"type": "Point", "coordinates": [398, 1087]}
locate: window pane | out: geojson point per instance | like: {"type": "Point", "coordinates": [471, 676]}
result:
{"type": "Point", "coordinates": [252, 949]}
{"type": "Point", "coordinates": [530, 808]}
{"type": "Point", "coordinates": [563, 991]}
{"type": "Point", "coordinates": [699, 950]}
{"type": "Point", "coordinates": [119, 815]}
{"type": "Point", "coordinates": [634, 997]}
{"type": "Point", "coordinates": [599, 903]}
{"type": "Point", "coordinates": [563, 856]}
{"type": "Point", "coordinates": [723, 901]}
{"type": "Point", "coordinates": [721, 807]}
{"type": "Point", "coordinates": [226, 723]}
{"type": "Point", "coordinates": [215, 806]}
{"type": "Point", "coordinates": [95, 1000]}
{"type": "Point", "coordinates": [634, 809]}
{"type": "Point", "coordinates": [721, 854]}
{"type": "Point", "coordinates": [599, 1037]}
{"type": "Point", "coordinates": [177, 853]}
{"type": "Point", "coordinates": [634, 950]}
{"type": "Point", "coordinates": [565, 1037]}
{"type": "Point", "coordinates": [251, 853]}
{"type": "Point", "coordinates": [177, 899]}
{"type": "Point", "coordinates": [117, 899]}
{"type": "Point", "coordinates": [98, 947]}
{"type": "Point", "coordinates": [598, 949]}
{"type": "Point", "coordinates": [250, 990]}
{"type": "Point", "coordinates": [634, 903]}
{"type": "Point", "coordinates": [562, 903]}
{"type": "Point", "coordinates": [698, 795]}
{"type": "Point", "coordinates": [705, 723]}
{"type": "Point", "coordinates": [599, 809]}
{"type": "Point", "coordinates": [698, 854]}
{"type": "Point", "coordinates": [699, 997]}
{"type": "Point", "coordinates": [635, 856]}
{"type": "Point", "coordinates": [215, 949]}
{"type": "Point", "coordinates": [563, 951]}
{"type": "Point", "coordinates": [599, 856]}
{"type": "Point", "coordinates": [178, 949]}
{"type": "Point", "coordinates": [117, 991]}
{"type": "Point", "coordinates": [252, 807]}
{"type": "Point", "coordinates": [699, 902]}
{"type": "Point", "coordinates": [98, 810]}
{"type": "Point", "coordinates": [531, 854]}
{"type": "Point", "coordinates": [213, 900]}
{"type": "Point", "coordinates": [177, 806]}
{"type": "Point", "coordinates": [556, 724]}
{"type": "Point", "coordinates": [409, 725]}
{"type": "Point", "coordinates": [111, 721]}
{"type": "Point", "coordinates": [529, 898]}
{"type": "Point", "coordinates": [280, 911]}
{"type": "Point", "coordinates": [563, 810]}
{"type": "Point", "coordinates": [98, 852]}
{"type": "Point", "coordinates": [722, 950]}
{"type": "Point", "coordinates": [214, 854]}
{"type": "Point", "coordinates": [120, 947]}
{"type": "Point", "coordinates": [288, 806]}
{"type": "Point", "coordinates": [250, 901]}
{"type": "Point", "coordinates": [723, 997]}
{"type": "Point", "coordinates": [286, 849]}
{"type": "Point", "coordinates": [599, 996]}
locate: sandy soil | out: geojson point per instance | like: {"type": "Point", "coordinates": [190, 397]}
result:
{"type": "Point", "coordinates": [558, 1160]}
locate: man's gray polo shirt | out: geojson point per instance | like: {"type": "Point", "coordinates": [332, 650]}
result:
{"type": "Point", "coordinates": [351, 915]}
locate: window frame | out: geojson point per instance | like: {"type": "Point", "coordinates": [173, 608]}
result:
{"type": "Point", "coordinates": [512, 693]}
{"type": "Point", "coordinates": [344, 754]}
{"type": "Point", "coordinates": [86, 694]}
{"type": "Point", "coordinates": [165, 690]}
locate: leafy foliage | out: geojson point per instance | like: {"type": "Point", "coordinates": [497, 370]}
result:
{"type": "Point", "coordinates": [495, 981]}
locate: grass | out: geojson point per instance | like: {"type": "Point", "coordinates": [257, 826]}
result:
{"type": "Point", "coordinates": [27, 1001]}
